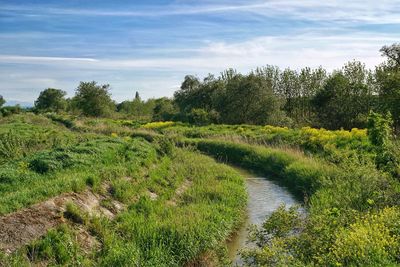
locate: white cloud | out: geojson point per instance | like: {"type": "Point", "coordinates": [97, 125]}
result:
{"type": "Point", "coordinates": [331, 41]}
{"type": "Point", "coordinates": [308, 49]}
{"type": "Point", "coordinates": [368, 11]}
{"type": "Point", "coordinates": [30, 59]}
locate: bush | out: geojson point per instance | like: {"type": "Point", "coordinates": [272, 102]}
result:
{"type": "Point", "coordinates": [200, 116]}
{"type": "Point", "coordinates": [371, 241]}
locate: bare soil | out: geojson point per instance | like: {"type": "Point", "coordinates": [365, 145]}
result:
{"type": "Point", "coordinates": [23, 226]}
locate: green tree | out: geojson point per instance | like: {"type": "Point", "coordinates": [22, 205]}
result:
{"type": "Point", "coordinates": [51, 99]}
{"type": "Point", "coordinates": [93, 99]}
{"type": "Point", "coordinates": [380, 133]}
{"type": "Point", "coordinates": [248, 99]}
{"type": "Point", "coordinates": [387, 78]}
{"type": "Point", "coordinates": [290, 87]}
{"type": "Point", "coordinates": [137, 97]}
{"type": "Point", "coordinates": [164, 110]}
{"type": "Point", "coordinates": [185, 97]}
{"type": "Point", "coordinates": [392, 52]}
{"type": "Point", "coordinates": [345, 99]}
{"type": "Point", "coordinates": [2, 101]}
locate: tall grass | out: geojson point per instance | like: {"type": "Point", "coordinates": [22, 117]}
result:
{"type": "Point", "coordinates": [301, 174]}
{"type": "Point", "coordinates": [49, 173]}
{"type": "Point", "coordinates": [21, 135]}
{"type": "Point", "coordinates": [155, 233]}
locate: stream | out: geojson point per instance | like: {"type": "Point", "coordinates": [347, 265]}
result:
{"type": "Point", "coordinates": [264, 197]}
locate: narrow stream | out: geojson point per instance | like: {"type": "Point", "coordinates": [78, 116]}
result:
{"type": "Point", "coordinates": [264, 197]}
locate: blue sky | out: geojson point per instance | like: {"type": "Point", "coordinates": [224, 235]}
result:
{"type": "Point", "coordinates": [149, 46]}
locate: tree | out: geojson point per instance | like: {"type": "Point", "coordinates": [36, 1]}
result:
{"type": "Point", "coordinates": [392, 52]}
{"type": "Point", "coordinates": [380, 135]}
{"type": "Point", "coordinates": [248, 99]}
{"type": "Point", "coordinates": [137, 97]}
{"type": "Point", "coordinates": [184, 98]}
{"type": "Point", "coordinates": [164, 109]}
{"type": "Point", "coordinates": [345, 99]}
{"type": "Point", "coordinates": [2, 101]}
{"type": "Point", "coordinates": [387, 78]}
{"type": "Point", "coordinates": [93, 99]}
{"type": "Point", "coordinates": [290, 87]}
{"type": "Point", "coordinates": [51, 99]}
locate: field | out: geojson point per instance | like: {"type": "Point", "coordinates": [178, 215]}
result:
{"type": "Point", "coordinates": [107, 192]}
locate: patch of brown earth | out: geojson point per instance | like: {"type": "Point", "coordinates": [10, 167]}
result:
{"type": "Point", "coordinates": [152, 195]}
{"type": "Point", "coordinates": [86, 241]}
{"type": "Point", "coordinates": [22, 227]}
{"type": "Point", "coordinates": [179, 191]}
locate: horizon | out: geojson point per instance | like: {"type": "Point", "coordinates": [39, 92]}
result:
{"type": "Point", "coordinates": [150, 47]}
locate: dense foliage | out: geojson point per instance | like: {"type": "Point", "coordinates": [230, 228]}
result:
{"type": "Point", "coordinates": [93, 100]}
{"type": "Point", "coordinates": [51, 100]}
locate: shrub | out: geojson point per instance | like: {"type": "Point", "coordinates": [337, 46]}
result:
{"type": "Point", "coordinates": [44, 163]}
{"type": "Point", "coordinates": [371, 241]}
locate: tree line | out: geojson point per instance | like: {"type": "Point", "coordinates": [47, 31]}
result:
{"type": "Point", "coordinates": [267, 95]}
{"type": "Point", "coordinates": [313, 97]}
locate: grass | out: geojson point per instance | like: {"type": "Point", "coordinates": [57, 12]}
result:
{"type": "Point", "coordinates": [21, 135]}
{"type": "Point", "coordinates": [351, 216]}
{"type": "Point", "coordinates": [301, 174]}
{"type": "Point", "coordinates": [343, 201]}
{"type": "Point", "coordinates": [48, 173]}
{"type": "Point", "coordinates": [158, 227]}
{"type": "Point", "coordinates": [153, 232]}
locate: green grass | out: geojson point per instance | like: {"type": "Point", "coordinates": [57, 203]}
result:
{"type": "Point", "coordinates": [156, 232]}
{"type": "Point", "coordinates": [342, 200]}
{"type": "Point", "coordinates": [351, 216]}
{"type": "Point", "coordinates": [301, 174]}
{"type": "Point", "coordinates": [48, 173]}
{"type": "Point", "coordinates": [168, 230]}
{"type": "Point", "coordinates": [21, 135]}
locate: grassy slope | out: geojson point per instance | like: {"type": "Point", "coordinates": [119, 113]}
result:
{"type": "Point", "coordinates": [352, 207]}
{"type": "Point", "coordinates": [167, 231]}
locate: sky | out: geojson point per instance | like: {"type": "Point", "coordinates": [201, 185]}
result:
{"type": "Point", "coordinates": [149, 46]}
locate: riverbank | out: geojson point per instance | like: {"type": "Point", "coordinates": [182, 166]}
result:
{"type": "Point", "coordinates": [265, 196]}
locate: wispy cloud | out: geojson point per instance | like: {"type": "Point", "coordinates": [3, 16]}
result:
{"type": "Point", "coordinates": [369, 11]}
{"type": "Point", "coordinates": [298, 51]}
{"type": "Point", "coordinates": [39, 60]}
{"type": "Point", "coordinates": [151, 47]}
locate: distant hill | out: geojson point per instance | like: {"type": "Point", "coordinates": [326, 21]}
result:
{"type": "Point", "coordinates": [21, 103]}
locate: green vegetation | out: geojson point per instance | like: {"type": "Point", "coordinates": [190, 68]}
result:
{"type": "Point", "coordinates": [2, 101]}
{"type": "Point", "coordinates": [348, 179]}
{"type": "Point", "coordinates": [92, 99]}
{"type": "Point", "coordinates": [267, 95]}
{"type": "Point", "coordinates": [178, 206]}
{"type": "Point", "coordinates": [349, 187]}
{"type": "Point", "coordinates": [136, 178]}
{"type": "Point", "coordinates": [51, 100]}
{"type": "Point", "coordinates": [351, 206]}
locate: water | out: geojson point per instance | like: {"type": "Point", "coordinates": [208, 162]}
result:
{"type": "Point", "coordinates": [264, 197]}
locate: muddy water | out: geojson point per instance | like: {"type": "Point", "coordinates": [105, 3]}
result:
{"type": "Point", "coordinates": [264, 197]}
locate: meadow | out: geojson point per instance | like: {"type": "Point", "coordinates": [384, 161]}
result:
{"type": "Point", "coordinates": [167, 197]}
